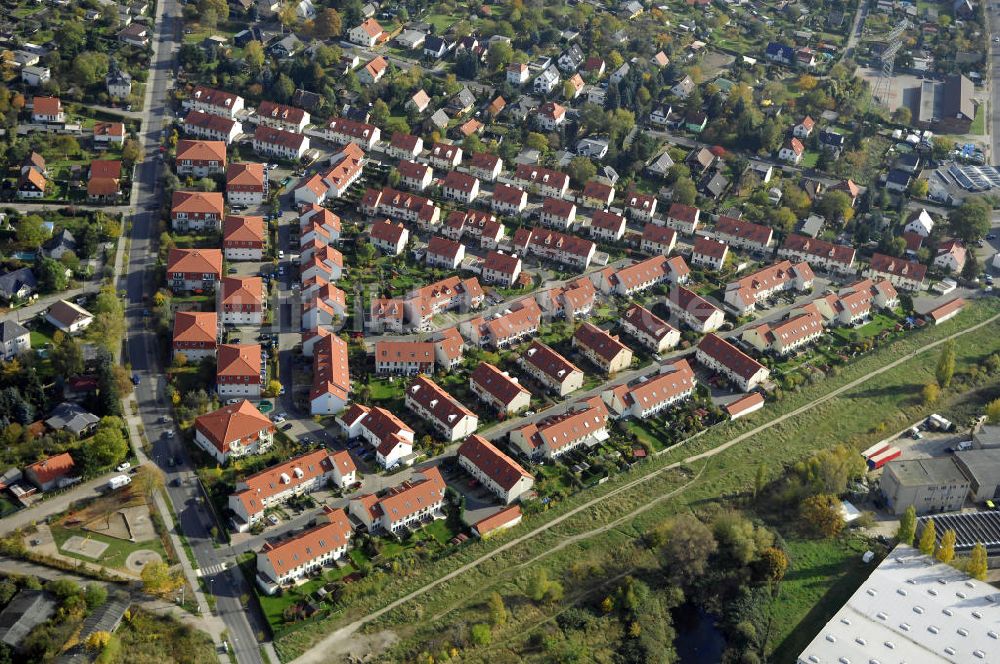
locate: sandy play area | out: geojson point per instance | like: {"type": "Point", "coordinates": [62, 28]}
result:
{"type": "Point", "coordinates": [128, 523]}
{"type": "Point", "coordinates": [84, 547]}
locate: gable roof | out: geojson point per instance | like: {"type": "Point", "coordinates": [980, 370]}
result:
{"type": "Point", "coordinates": [232, 423]}
{"type": "Point", "coordinates": [492, 462]}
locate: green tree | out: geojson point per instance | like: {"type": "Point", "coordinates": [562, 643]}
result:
{"type": "Point", "coordinates": [109, 445]}
{"type": "Point", "coordinates": [220, 7]}
{"type": "Point", "coordinates": [993, 411]}
{"type": "Point", "coordinates": [536, 141]}
{"type": "Point", "coordinates": [480, 634]}
{"type": "Point", "coordinates": [684, 191]}
{"type": "Point", "coordinates": [90, 68]}
{"type": "Point", "coordinates": [970, 221]}
{"type": "Point", "coordinates": [946, 552]}
{"type": "Point", "coordinates": [821, 514]}
{"type": "Point", "coordinates": [95, 595]}
{"type": "Point", "coordinates": [131, 151]}
{"type": "Point", "coordinates": [51, 275]}
{"type": "Point", "coordinates": [976, 566]}
{"type": "Point", "coordinates": [30, 231]}
{"type": "Point", "coordinates": [928, 538]}
{"type": "Point", "coordinates": [919, 188]}
{"type": "Point", "coordinates": [538, 583]}
{"type": "Point", "coordinates": [253, 55]}
{"type": "Point", "coordinates": [784, 219]}
{"type": "Point", "coordinates": [907, 526]}
{"type": "Point", "coordinates": [380, 112]}
{"type": "Point", "coordinates": [760, 480]}
{"type": "Point", "coordinates": [946, 364]}
{"type": "Point", "coordinates": [157, 579]}
{"type": "Point", "coordinates": [902, 115]}
{"type": "Point", "coordinates": [67, 358]}
{"type": "Point", "coordinates": [498, 612]}
{"type": "Point", "coordinates": [580, 169]}
{"type": "Point", "coordinates": [774, 563]}
{"type": "Point", "coordinates": [499, 54]}
{"type": "Point", "coordinates": [329, 24]}
{"type": "Point", "coordinates": [689, 545]}
{"type": "Point", "coordinates": [930, 393]}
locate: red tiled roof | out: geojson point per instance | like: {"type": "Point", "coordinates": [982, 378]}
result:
{"type": "Point", "coordinates": [495, 464]}
{"type": "Point", "coordinates": [232, 423]}
{"type": "Point", "coordinates": [729, 356]}
{"type": "Point", "coordinates": [495, 382]}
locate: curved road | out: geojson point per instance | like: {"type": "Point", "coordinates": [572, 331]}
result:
{"type": "Point", "coordinates": [316, 655]}
{"type": "Point", "coordinates": [195, 521]}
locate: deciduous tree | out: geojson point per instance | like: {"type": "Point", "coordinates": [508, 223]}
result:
{"type": "Point", "coordinates": [907, 526]}
{"type": "Point", "coordinates": [821, 514]}
{"type": "Point", "coordinates": [946, 551]}
{"type": "Point", "coordinates": [946, 364]}
{"type": "Point", "coordinates": [976, 567]}
{"type": "Point", "coordinates": [928, 538]}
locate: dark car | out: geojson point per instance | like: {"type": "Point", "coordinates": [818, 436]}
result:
{"type": "Point", "coordinates": [287, 427]}
{"type": "Point", "coordinates": [135, 379]}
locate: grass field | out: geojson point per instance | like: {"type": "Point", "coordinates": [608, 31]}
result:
{"type": "Point", "coordinates": [859, 416]}
{"type": "Point", "coordinates": [116, 553]}
{"type": "Point", "coordinates": [978, 127]}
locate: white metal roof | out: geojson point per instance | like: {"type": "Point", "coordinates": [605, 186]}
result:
{"type": "Point", "coordinates": [912, 609]}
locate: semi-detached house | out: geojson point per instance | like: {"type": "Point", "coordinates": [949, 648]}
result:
{"type": "Point", "coordinates": [443, 412]}
{"type": "Point", "coordinates": [598, 195]}
{"type": "Point", "coordinates": [241, 301]}
{"type": "Point", "coordinates": [651, 331]}
{"type": "Point", "coordinates": [486, 166]}
{"type": "Point", "coordinates": [213, 127]}
{"type": "Point", "coordinates": [508, 200]}
{"type": "Point", "coordinates": [281, 116]}
{"type": "Point", "coordinates": [551, 369]}
{"type": "Point", "coordinates": [193, 269]}
{"type": "Point", "coordinates": [404, 506]}
{"type": "Point", "coordinates": [389, 436]}
{"type": "Point", "coordinates": [721, 356]}
{"type": "Point", "coordinates": [196, 210]}
{"type": "Point", "coordinates": [476, 224]}
{"type": "Point", "coordinates": [601, 348]}
{"type": "Point", "coordinates": [904, 274]}
{"type": "Point", "coordinates": [460, 187]}
{"type": "Point", "coordinates": [643, 275]}
{"type": "Point", "coordinates": [569, 301]}
{"type": "Point", "coordinates": [388, 237]}
{"type": "Point", "coordinates": [282, 564]}
{"type": "Point", "coordinates": [414, 175]}
{"type": "Point", "coordinates": [501, 269]}
{"type": "Point", "coordinates": [442, 252]}
{"type": "Point", "coordinates": [607, 226]}
{"type": "Point", "coordinates": [445, 156]}
{"type": "Point", "coordinates": [239, 371]}
{"type": "Point", "coordinates": [498, 389]}
{"type": "Point", "coordinates": [280, 144]}
{"type": "Point", "coordinates": [343, 131]}
{"type": "Point", "coordinates": [216, 102]}
{"type": "Point", "coordinates": [196, 334]}
{"type": "Point", "coordinates": [709, 253]}
{"type": "Point", "coordinates": [200, 158]}
{"type": "Point", "coordinates": [404, 146]}
{"type": "Point", "coordinates": [519, 321]}
{"type": "Point", "coordinates": [243, 238]}
{"type": "Point", "coordinates": [682, 218]}
{"type": "Point", "coordinates": [837, 258]}
{"type": "Point", "coordinates": [674, 383]}
{"type": "Point", "coordinates": [276, 485]}
{"type": "Point", "coordinates": [234, 431]}
{"type": "Point", "coordinates": [544, 181]}
{"type": "Point", "coordinates": [694, 311]}
{"type": "Point", "coordinates": [640, 207]}
{"type": "Point", "coordinates": [557, 213]}
{"type": "Point", "coordinates": [854, 304]}
{"type": "Point", "coordinates": [658, 240]}
{"type": "Point", "coordinates": [743, 294]}
{"type": "Point", "coordinates": [497, 472]}
{"type": "Point", "coordinates": [246, 184]}
{"type": "Point", "coordinates": [584, 424]}
{"type": "Point", "coordinates": [740, 234]}
{"type": "Point", "coordinates": [785, 336]}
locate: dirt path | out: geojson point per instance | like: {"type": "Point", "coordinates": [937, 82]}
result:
{"type": "Point", "coordinates": [319, 653]}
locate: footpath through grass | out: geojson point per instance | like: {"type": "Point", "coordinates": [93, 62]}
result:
{"type": "Point", "coordinates": [880, 403]}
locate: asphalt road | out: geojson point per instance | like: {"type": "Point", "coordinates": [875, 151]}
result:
{"type": "Point", "coordinates": [993, 28]}
{"type": "Point", "coordinates": [194, 519]}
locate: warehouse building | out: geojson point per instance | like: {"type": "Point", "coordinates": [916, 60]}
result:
{"type": "Point", "coordinates": [930, 485]}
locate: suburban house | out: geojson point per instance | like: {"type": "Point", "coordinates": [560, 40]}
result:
{"type": "Point", "coordinates": [14, 339]}
{"type": "Point", "coordinates": [721, 356]}
{"type": "Point", "coordinates": [486, 166]}
{"type": "Point", "coordinates": [694, 311]}
{"type": "Point", "coordinates": [404, 506]}
{"type": "Point", "coordinates": [837, 258]}
{"type": "Point", "coordinates": [283, 563]}
{"type": "Point", "coordinates": [543, 181]}
{"type": "Point", "coordinates": [331, 381]}
{"type": "Point", "coordinates": [234, 431]}
{"type": "Point", "coordinates": [498, 389]}
{"type": "Point", "coordinates": [792, 151]}
{"type": "Point", "coordinates": [675, 382]}
{"type": "Point", "coordinates": [298, 476]}
{"type": "Point", "coordinates": [367, 34]}
{"type": "Point", "coordinates": [804, 128]}
{"type": "Point", "coordinates": [442, 252]}
{"type": "Point", "coordinates": [47, 110]}
{"type": "Point", "coordinates": [196, 334]}
{"type": "Point", "coordinates": [388, 435]}
{"type": "Point", "coordinates": [405, 206]}
{"type": "Point", "coordinates": [404, 146]}
{"type": "Point", "coordinates": [521, 320]}
{"type": "Point", "coordinates": [212, 127]}
{"type": "Point", "coordinates": [557, 213]}
{"type": "Point", "coordinates": [651, 331]}
{"type": "Point", "coordinates": [72, 418]}
{"type": "Point", "coordinates": [445, 156]}
{"type": "Point", "coordinates": [373, 71]}
{"type": "Point", "coordinates": [517, 73]}
{"type": "Point", "coordinates": [853, 304]}
{"type": "Point", "coordinates": [640, 207]}
{"type": "Point", "coordinates": [196, 210]}
{"type": "Point", "coordinates": [109, 133]}
{"type": "Point", "coordinates": [901, 273]}
{"type": "Point", "coordinates": [68, 317]}
{"type": "Point", "coordinates": [414, 175]}
{"type": "Point", "coordinates": [388, 237]}
{"type": "Point", "coordinates": [241, 301]}
{"type": "Point", "coordinates": [709, 253]}
{"type": "Point", "coordinates": [443, 412]}
{"type": "Point", "coordinates": [104, 181]}
{"type": "Point", "coordinates": [643, 275]}
{"type": "Point", "coordinates": [744, 293]}
{"type": "Point", "coordinates": [550, 116]}
{"type": "Point", "coordinates": [17, 284]}
{"type": "Point", "coordinates": [497, 472]}
{"type": "Point", "coordinates": [279, 144]}
{"type": "Point", "coordinates": [200, 158]}
{"type": "Point", "coordinates": [460, 187]}
{"type": "Point", "coordinates": [785, 336]}
{"type": "Point", "coordinates": [584, 424]}
{"type": "Point", "coordinates": [683, 218]}
{"type": "Point", "coordinates": [344, 130]}
{"type": "Point", "coordinates": [502, 269]}
{"type": "Point", "coordinates": [607, 226]}
{"type": "Point", "coordinates": [740, 234]}
{"type": "Point", "coordinates": [602, 349]}
{"type": "Point", "coordinates": [555, 246]}
{"type": "Point", "coordinates": [597, 194]}
{"type": "Point", "coordinates": [551, 369]}
{"type": "Point", "coordinates": [239, 371]}
{"type": "Point", "coordinates": [193, 269]}
{"type": "Point", "coordinates": [951, 255]}
{"type": "Point", "coordinates": [243, 238]}
{"type": "Point", "coordinates": [508, 200]}
{"type": "Point", "coordinates": [246, 184]}
{"type": "Point", "coordinates": [55, 472]}
{"type": "Point", "coordinates": [216, 102]}
{"type": "Point", "coordinates": [280, 116]}
{"type": "Point", "coordinates": [657, 240]}
{"type": "Point", "coordinates": [920, 223]}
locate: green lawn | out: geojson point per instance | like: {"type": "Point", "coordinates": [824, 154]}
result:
{"type": "Point", "coordinates": [809, 159]}
{"type": "Point", "coordinates": [978, 127]}
{"type": "Point", "coordinates": [879, 323]}
{"type": "Point", "coordinates": [116, 553]}
{"type": "Point", "coordinates": [821, 575]}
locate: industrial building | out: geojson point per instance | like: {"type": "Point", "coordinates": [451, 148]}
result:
{"type": "Point", "coordinates": [930, 485]}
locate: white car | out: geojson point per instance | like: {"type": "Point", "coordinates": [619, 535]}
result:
{"type": "Point", "coordinates": [278, 419]}
{"type": "Point", "coordinates": [272, 519]}
{"type": "Point", "coordinates": [121, 468]}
